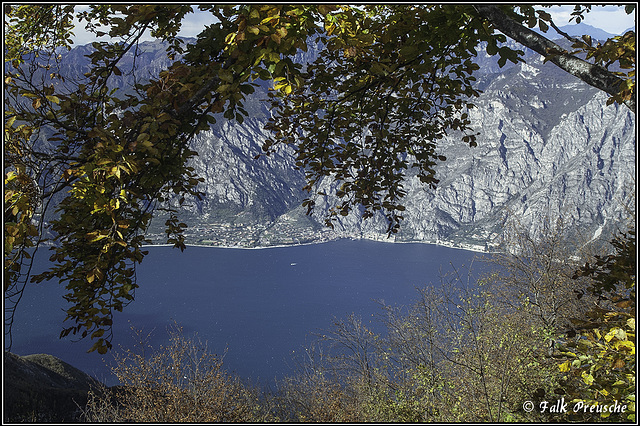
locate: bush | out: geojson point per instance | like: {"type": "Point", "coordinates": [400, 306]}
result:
{"type": "Point", "coordinates": [182, 382]}
{"type": "Point", "coordinates": [598, 354]}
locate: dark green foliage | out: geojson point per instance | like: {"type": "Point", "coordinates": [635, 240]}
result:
{"type": "Point", "coordinates": [41, 388]}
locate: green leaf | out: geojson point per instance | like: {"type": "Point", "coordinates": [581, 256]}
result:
{"type": "Point", "coordinates": [587, 378]}
{"type": "Point", "coordinates": [226, 75]}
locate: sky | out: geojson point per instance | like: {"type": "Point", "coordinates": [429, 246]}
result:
{"type": "Point", "coordinates": [611, 19]}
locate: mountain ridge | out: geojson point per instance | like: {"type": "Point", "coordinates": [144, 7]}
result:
{"type": "Point", "coordinates": [524, 165]}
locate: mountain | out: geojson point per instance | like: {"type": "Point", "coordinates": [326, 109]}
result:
{"type": "Point", "coordinates": [577, 30]}
{"type": "Point", "coordinates": [42, 388]}
{"type": "Point", "coordinates": [549, 148]}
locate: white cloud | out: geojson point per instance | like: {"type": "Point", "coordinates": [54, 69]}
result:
{"type": "Point", "coordinates": [192, 25]}
{"type": "Point", "coordinates": [612, 19]}
{"type": "Point", "coordinates": [195, 23]}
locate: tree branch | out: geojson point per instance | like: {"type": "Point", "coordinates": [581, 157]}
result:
{"type": "Point", "coordinates": [592, 74]}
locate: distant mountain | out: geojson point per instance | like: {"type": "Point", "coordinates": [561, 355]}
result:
{"type": "Point", "coordinates": [549, 147]}
{"type": "Point", "coordinates": [582, 28]}
{"type": "Point", "coordinates": [577, 30]}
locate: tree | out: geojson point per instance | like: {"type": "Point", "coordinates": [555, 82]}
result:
{"type": "Point", "coordinates": [390, 81]}
{"type": "Point", "coordinates": [455, 355]}
{"type": "Point", "coordinates": [536, 271]}
{"type": "Point", "coordinates": [180, 382]}
{"type": "Point", "coordinates": [598, 355]}
{"type": "Point", "coordinates": [596, 73]}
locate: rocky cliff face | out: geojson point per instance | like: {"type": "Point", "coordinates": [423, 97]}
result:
{"type": "Point", "coordinates": [549, 147]}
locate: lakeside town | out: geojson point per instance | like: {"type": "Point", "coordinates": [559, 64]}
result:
{"type": "Point", "coordinates": [288, 231]}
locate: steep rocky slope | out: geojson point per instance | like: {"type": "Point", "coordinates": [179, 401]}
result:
{"type": "Point", "coordinates": [549, 147]}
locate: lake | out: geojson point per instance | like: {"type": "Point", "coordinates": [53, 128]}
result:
{"type": "Point", "coordinates": [260, 305]}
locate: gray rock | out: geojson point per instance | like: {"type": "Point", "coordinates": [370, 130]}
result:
{"type": "Point", "coordinates": [549, 148]}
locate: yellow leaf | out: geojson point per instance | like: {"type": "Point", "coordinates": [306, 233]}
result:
{"type": "Point", "coordinates": [230, 37]}
{"type": "Point", "coordinates": [223, 88]}
{"type": "Point", "coordinates": [565, 366]}
{"type": "Point", "coordinates": [625, 344]}
{"type": "Point", "coordinates": [274, 57]}
{"type": "Point", "coordinates": [587, 378]}
{"type": "Point", "coordinates": [611, 334]}
{"type": "Point", "coordinates": [95, 236]}
{"type": "Point", "coordinates": [269, 19]}
{"type": "Point", "coordinates": [115, 171]}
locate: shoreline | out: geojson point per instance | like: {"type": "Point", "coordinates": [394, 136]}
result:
{"type": "Point", "coordinates": [467, 248]}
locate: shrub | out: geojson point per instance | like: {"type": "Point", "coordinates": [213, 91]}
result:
{"type": "Point", "coordinates": [181, 382]}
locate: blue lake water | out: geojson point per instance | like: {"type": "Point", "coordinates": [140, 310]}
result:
{"type": "Point", "coordinates": [260, 305]}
